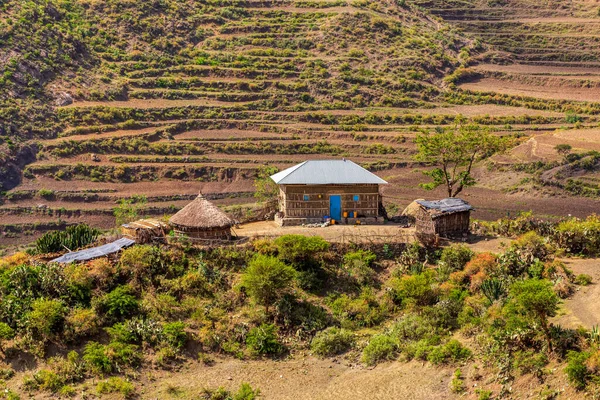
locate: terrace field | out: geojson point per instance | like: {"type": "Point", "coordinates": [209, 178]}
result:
{"type": "Point", "coordinates": [181, 98]}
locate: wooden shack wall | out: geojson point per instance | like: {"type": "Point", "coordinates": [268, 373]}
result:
{"type": "Point", "coordinates": [293, 205]}
{"type": "Point", "coordinates": [457, 223]}
{"type": "Point", "coordinates": [424, 224]}
{"type": "Point", "coordinates": [451, 224]}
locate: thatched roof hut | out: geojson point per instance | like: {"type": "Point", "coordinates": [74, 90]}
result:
{"type": "Point", "coordinates": [202, 220]}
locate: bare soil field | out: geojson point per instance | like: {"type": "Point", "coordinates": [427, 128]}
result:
{"type": "Point", "coordinates": [541, 92]}
{"type": "Point", "coordinates": [309, 379]}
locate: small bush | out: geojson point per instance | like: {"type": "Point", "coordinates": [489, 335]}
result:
{"type": "Point", "coordinates": [451, 352]}
{"type": "Point", "coordinates": [413, 289]}
{"type": "Point", "coordinates": [246, 392]}
{"type": "Point", "coordinates": [112, 357]}
{"type": "Point", "coordinates": [174, 334]}
{"type": "Point", "coordinates": [46, 317]}
{"type": "Point", "coordinates": [263, 339]}
{"type": "Point", "coordinates": [380, 348]}
{"type": "Point", "coordinates": [583, 279]}
{"type": "Point", "coordinates": [119, 303]}
{"type": "Point", "coordinates": [6, 333]}
{"type": "Point", "coordinates": [362, 311]}
{"type": "Point", "coordinates": [456, 256]}
{"type": "Point", "coordinates": [299, 250]}
{"type": "Point", "coordinates": [80, 323]}
{"type": "Point", "coordinates": [457, 384]}
{"type": "Point", "coordinates": [116, 385]}
{"type": "Point", "coordinates": [48, 380]}
{"type": "Point", "coordinates": [576, 369]}
{"type": "Point", "coordinates": [358, 263]}
{"type": "Point", "coordinates": [332, 341]}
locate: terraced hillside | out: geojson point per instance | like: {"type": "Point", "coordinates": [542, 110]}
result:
{"type": "Point", "coordinates": [166, 99]}
{"type": "Point", "coordinates": [179, 97]}
{"type": "Point", "coordinates": [544, 49]}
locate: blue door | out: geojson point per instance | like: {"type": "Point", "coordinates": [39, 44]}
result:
{"type": "Point", "coordinates": [335, 207]}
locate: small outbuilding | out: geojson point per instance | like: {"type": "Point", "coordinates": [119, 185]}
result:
{"type": "Point", "coordinates": [202, 220]}
{"type": "Point", "coordinates": [339, 190]}
{"type": "Point", "coordinates": [443, 218]}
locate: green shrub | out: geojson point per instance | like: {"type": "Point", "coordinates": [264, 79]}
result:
{"type": "Point", "coordinates": [456, 256]}
{"type": "Point", "coordinates": [483, 394]}
{"type": "Point", "coordinates": [119, 303]}
{"type": "Point", "coordinates": [358, 263]}
{"type": "Point", "coordinates": [380, 348]}
{"type": "Point", "coordinates": [246, 392]}
{"type": "Point", "coordinates": [583, 279]}
{"type": "Point", "coordinates": [116, 385]}
{"type": "Point", "coordinates": [174, 334]}
{"type": "Point", "coordinates": [6, 333]}
{"type": "Point", "coordinates": [80, 323]}
{"type": "Point", "coordinates": [266, 279]}
{"type": "Point", "coordinates": [302, 316]}
{"type": "Point", "coordinates": [140, 262]}
{"type": "Point", "coordinates": [263, 339]}
{"type": "Point", "coordinates": [332, 341]}
{"type": "Point", "coordinates": [451, 352]}
{"type": "Point", "coordinates": [457, 384]}
{"type": "Point", "coordinates": [578, 236]}
{"type": "Point", "coordinates": [362, 311]}
{"type": "Point", "coordinates": [95, 355]}
{"type": "Point", "coordinates": [48, 380]}
{"type": "Point", "coordinates": [112, 357]}
{"type": "Point", "coordinates": [414, 289]}
{"type": "Point", "coordinates": [300, 251]}
{"type": "Point", "coordinates": [46, 317]}
{"type": "Point", "coordinates": [576, 369]}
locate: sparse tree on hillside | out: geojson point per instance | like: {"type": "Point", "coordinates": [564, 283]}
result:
{"type": "Point", "coordinates": [453, 152]}
{"type": "Point", "coordinates": [563, 149]}
{"type": "Point", "coordinates": [266, 279]}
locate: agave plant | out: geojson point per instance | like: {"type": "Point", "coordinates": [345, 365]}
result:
{"type": "Point", "coordinates": [595, 335]}
{"type": "Point", "coordinates": [492, 289]}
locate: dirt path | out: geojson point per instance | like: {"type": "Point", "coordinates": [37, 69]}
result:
{"type": "Point", "coordinates": [309, 379]}
{"type": "Point", "coordinates": [583, 308]}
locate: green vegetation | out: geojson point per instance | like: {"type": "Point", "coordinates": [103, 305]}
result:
{"type": "Point", "coordinates": [72, 238]}
{"type": "Point", "coordinates": [453, 152]}
{"type": "Point", "coordinates": [371, 303]}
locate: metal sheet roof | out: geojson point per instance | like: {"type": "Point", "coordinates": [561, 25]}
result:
{"type": "Point", "coordinates": [446, 206]}
{"type": "Point", "coordinates": [327, 172]}
{"type": "Point", "coordinates": [95, 252]}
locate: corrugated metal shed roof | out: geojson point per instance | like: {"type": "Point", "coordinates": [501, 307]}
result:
{"type": "Point", "coordinates": [95, 252]}
{"type": "Point", "coordinates": [446, 206]}
{"type": "Point", "coordinates": [327, 172]}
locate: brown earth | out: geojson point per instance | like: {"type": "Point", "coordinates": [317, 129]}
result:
{"type": "Point", "coordinates": [541, 92]}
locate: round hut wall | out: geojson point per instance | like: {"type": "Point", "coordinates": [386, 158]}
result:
{"type": "Point", "coordinates": [203, 233]}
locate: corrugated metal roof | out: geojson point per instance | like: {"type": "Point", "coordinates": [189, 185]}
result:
{"type": "Point", "coordinates": [446, 206]}
{"type": "Point", "coordinates": [327, 172]}
{"type": "Point", "coordinates": [95, 252]}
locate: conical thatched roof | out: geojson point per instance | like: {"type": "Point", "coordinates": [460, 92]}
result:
{"type": "Point", "coordinates": [203, 214]}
